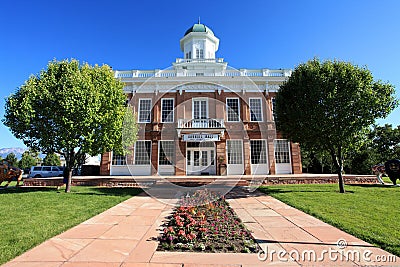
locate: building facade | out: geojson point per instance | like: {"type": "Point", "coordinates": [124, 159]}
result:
{"type": "Point", "coordinates": [202, 117]}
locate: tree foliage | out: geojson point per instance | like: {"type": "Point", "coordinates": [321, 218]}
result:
{"type": "Point", "coordinates": [70, 109]}
{"type": "Point", "coordinates": [51, 159]}
{"type": "Point", "coordinates": [386, 142]}
{"type": "Point", "coordinates": [12, 159]}
{"type": "Point", "coordinates": [29, 158]}
{"type": "Point", "coordinates": [328, 106]}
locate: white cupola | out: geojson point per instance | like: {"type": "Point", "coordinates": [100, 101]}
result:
{"type": "Point", "coordinates": [199, 42]}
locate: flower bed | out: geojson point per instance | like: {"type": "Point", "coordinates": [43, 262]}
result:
{"type": "Point", "coordinates": [204, 222]}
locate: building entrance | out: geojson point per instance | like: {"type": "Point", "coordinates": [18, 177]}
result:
{"type": "Point", "coordinates": [200, 158]}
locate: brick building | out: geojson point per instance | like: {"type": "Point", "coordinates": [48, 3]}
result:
{"type": "Point", "coordinates": [202, 117]}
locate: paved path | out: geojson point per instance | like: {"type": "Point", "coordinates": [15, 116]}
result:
{"type": "Point", "coordinates": [125, 236]}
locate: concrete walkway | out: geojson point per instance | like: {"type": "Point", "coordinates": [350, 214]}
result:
{"type": "Point", "coordinates": [125, 235]}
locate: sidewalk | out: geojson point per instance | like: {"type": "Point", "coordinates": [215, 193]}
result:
{"type": "Point", "coordinates": [125, 236]}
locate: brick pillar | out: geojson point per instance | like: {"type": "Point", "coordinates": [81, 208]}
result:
{"type": "Point", "coordinates": [271, 156]}
{"type": "Point", "coordinates": [180, 165]}
{"type": "Point", "coordinates": [105, 163]}
{"type": "Point", "coordinates": [221, 153]}
{"type": "Point", "coordinates": [246, 156]}
{"type": "Point", "coordinates": [244, 109]}
{"type": "Point", "coordinates": [297, 167]}
{"type": "Point", "coordinates": [154, 157]}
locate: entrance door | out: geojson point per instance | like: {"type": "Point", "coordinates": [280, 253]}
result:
{"type": "Point", "coordinates": [200, 158]}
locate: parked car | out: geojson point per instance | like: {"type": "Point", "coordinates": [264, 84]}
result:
{"type": "Point", "coordinates": [45, 171]}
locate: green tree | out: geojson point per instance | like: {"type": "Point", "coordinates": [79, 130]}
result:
{"type": "Point", "coordinates": [386, 142]}
{"type": "Point", "coordinates": [29, 159]}
{"type": "Point", "coordinates": [12, 159]}
{"type": "Point", "coordinates": [328, 106]}
{"type": "Point", "coordinates": [51, 159]}
{"type": "Point", "coordinates": [73, 110]}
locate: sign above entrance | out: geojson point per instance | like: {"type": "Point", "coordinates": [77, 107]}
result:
{"type": "Point", "coordinates": [200, 137]}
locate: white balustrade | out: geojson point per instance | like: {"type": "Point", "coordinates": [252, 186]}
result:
{"type": "Point", "coordinates": [201, 123]}
{"type": "Point", "coordinates": [194, 73]}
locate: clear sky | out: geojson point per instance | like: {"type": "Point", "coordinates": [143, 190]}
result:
{"type": "Point", "coordinates": [145, 35]}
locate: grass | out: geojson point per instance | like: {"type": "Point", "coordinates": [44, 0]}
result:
{"type": "Point", "coordinates": [369, 212]}
{"type": "Point", "coordinates": [30, 216]}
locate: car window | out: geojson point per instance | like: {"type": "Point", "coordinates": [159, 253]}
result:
{"type": "Point", "coordinates": [37, 169]}
{"type": "Point", "coordinates": [55, 169]}
{"type": "Point", "coordinates": [46, 169]}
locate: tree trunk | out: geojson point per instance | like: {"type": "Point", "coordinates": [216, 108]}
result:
{"type": "Point", "coordinates": [68, 182]}
{"type": "Point", "coordinates": [338, 162]}
{"type": "Point", "coordinates": [70, 159]}
{"type": "Point", "coordinates": [341, 180]}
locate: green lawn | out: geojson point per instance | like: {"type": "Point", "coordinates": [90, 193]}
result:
{"type": "Point", "coordinates": [30, 216]}
{"type": "Point", "coordinates": [370, 212]}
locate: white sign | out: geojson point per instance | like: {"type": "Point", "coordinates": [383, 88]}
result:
{"type": "Point", "coordinates": [200, 137]}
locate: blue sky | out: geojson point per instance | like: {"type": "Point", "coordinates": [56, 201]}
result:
{"type": "Point", "coordinates": [146, 34]}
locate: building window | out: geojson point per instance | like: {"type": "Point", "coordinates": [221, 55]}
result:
{"type": "Point", "coordinates": [204, 158]}
{"type": "Point", "coordinates": [167, 110]}
{"type": "Point", "coordinates": [199, 53]}
{"type": "Point", "coordinates": [144, 110]}
{"type": "Point", "coordinates": [255, 109]}
{"type": "Point", "coordinates": [200, 109]}
{"type": "Point", "coordinates": [232, 109]}
{"type": "Point", "coordinates": [258, 151]}
{"type": "Point", "coordinates": [281, 151]}
{"type": "Point", "coordinates": [196, 158]}
{"type": "Point", "coordinates": [118, 160]}
{"type": "Point", "coordinates": [273, 107]}
{"type": "Point", "coordinates": [166, 153]}
{"type": "Point", "coordinates": [234, 151]}
{"type": "Point", "coordinates": [142, 152]}
{"type": "Point", "coordinates": [190, 54]}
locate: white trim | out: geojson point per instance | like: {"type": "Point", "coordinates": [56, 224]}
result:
{"type": "Point", "coordinates": [140, 99]}
{"type": "Point", "coordinates": [173, 110]}
{"type": "Point", "coordinates": [226, 108]}
{"type": "Point", "coordinates": [261, 108]}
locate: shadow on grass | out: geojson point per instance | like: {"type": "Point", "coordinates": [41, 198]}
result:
{"type": "Point", "coordinates": [76, 190]}
{"type": "Point", "coordinates": [112, 191]}
{"type": "Point", "coordinates": [389, 186]}
{"type": "Point", "coordinates": [21, 190]}
{"type": "Point", "coordinates": [272, 190]}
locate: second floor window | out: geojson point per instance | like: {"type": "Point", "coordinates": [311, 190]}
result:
{"type": "Point", "coordinates": [144, 110]}
{"type": "Point", "coordinates": [167, 110]}
{"type": "Point", "coordinates": [200, 108]}
{"type": "Point", "coordinates": [232, 109]}
{"type": "Point", "coordinates": [255, 109]}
